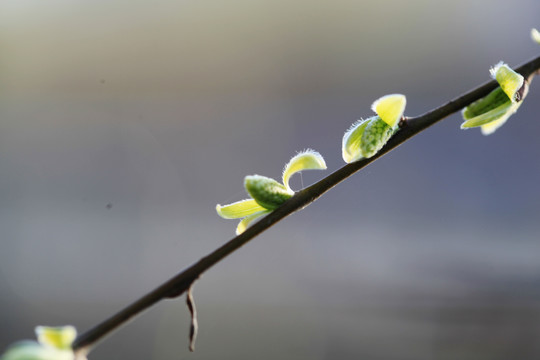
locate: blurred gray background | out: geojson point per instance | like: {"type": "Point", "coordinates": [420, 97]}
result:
{"type": "Point", "coordinates": [123, 124]}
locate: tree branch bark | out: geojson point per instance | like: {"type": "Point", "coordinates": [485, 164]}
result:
{"type": "Point", "coordinates": [183, 280]}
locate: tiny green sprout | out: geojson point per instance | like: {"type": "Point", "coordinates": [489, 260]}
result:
{"type": "Point", "coordinates": [366, 137]}
{"type": "Point", "coordinates": [535, 35]}
{"type": "Point", "coordinates": [492, 111]}
{"type": "Point", "coordinates": [60, 337]}
{"type": "Point", "coordinates": [54, 343]}
{"type": "Point", "coordinates": [267, 194]}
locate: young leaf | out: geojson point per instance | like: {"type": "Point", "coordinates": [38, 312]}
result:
{"type": "Point", "coordinates": [54, 343]}
{"type": "Point", "coordinates": [239, 209]}
{"type": "Point", "coordinates": [58, 337]}
{"type": "Point", "coordinates": [390, 108]}
{"type": "Point", "coordinates": [509, 80]}
{"type": "Point", "coordinates": [250, 220]}
{"type": "Point", "coordinates": [350, 148]}
{"type": "Point", "coordinates": [488, 116]}
{"type": "Point", "coordinates": [490, 127]}
{"type": "Point", "coordinates": [493, 100]}
{"type": "Point", "coordinates": [305, 160]}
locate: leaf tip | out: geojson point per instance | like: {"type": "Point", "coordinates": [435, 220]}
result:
{"type": "Point", "coordinates": [535, 35]}
{"type": "Point", "coordinates": [307, 159]}
{"type": "Point", "coordinates": [390, 108]}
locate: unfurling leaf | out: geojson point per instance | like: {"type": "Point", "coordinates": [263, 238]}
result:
{"type": "Point", "coordinates": [305, 160]}
{"type": "Point", "coordinates": [350, 149]}
{"type": "Point", "coordinates": [492, 111]}
{"type": "Point", "coordinates": [239, 209]}
{"type": "Point", "coordinates": [390, 108]}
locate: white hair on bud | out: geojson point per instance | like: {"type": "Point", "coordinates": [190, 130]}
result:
{"type": "Point", "coordinates": [496, 67]}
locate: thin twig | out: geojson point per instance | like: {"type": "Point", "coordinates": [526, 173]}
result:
{"type": "Point", "coordinates": [194, 326]}
{"type": "Point", "coordinates": [182, 281]}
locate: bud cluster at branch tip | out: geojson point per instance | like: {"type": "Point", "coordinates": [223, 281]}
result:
{"type": "Point", "coordinates": [492, 111]}
{"type": "Point", "coordinates": [268, 194]}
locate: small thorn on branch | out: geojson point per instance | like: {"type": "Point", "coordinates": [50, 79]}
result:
{"type": "Point", "coordinates": [193, 329]}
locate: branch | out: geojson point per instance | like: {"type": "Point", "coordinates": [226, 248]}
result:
{"type": "Point", "coordinates": [182, 281]}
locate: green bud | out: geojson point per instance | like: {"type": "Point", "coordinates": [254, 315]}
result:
{"type": "Point", "coordinates": [366, 137]}
{"type": "Point", "coordinates": [375, 136]}
{"type": "Point", "coordinates": [267, 192]}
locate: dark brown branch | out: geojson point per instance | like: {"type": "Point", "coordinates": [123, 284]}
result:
{"type": "Point", "coordinates": [182, 281]}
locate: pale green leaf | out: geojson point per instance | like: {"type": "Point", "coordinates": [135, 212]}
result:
{"type": "Point", "coordinates": [509, 80]}
{"type": "Point", "coordinates": [390, 108]}
{"type": "Point", "coordinates": [488, 116]}
{"type": "Point", "coordinates": [493, 100]}
{"type": "Point", "coordinates": [350, 149]}
{"type": "Point", "coordinates": [305, 160]}
{"type": "Point", "coordinates": [489, 128]}
{"type": "Point", "coordinates": [250, 220]}
{"type": "Point", "coordinates": [239, 209]}
{"type": "Point", "coordinates": [493, 119]}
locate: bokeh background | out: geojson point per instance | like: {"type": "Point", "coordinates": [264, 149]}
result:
{"type": "Point", "coordinates": [123, 124]}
